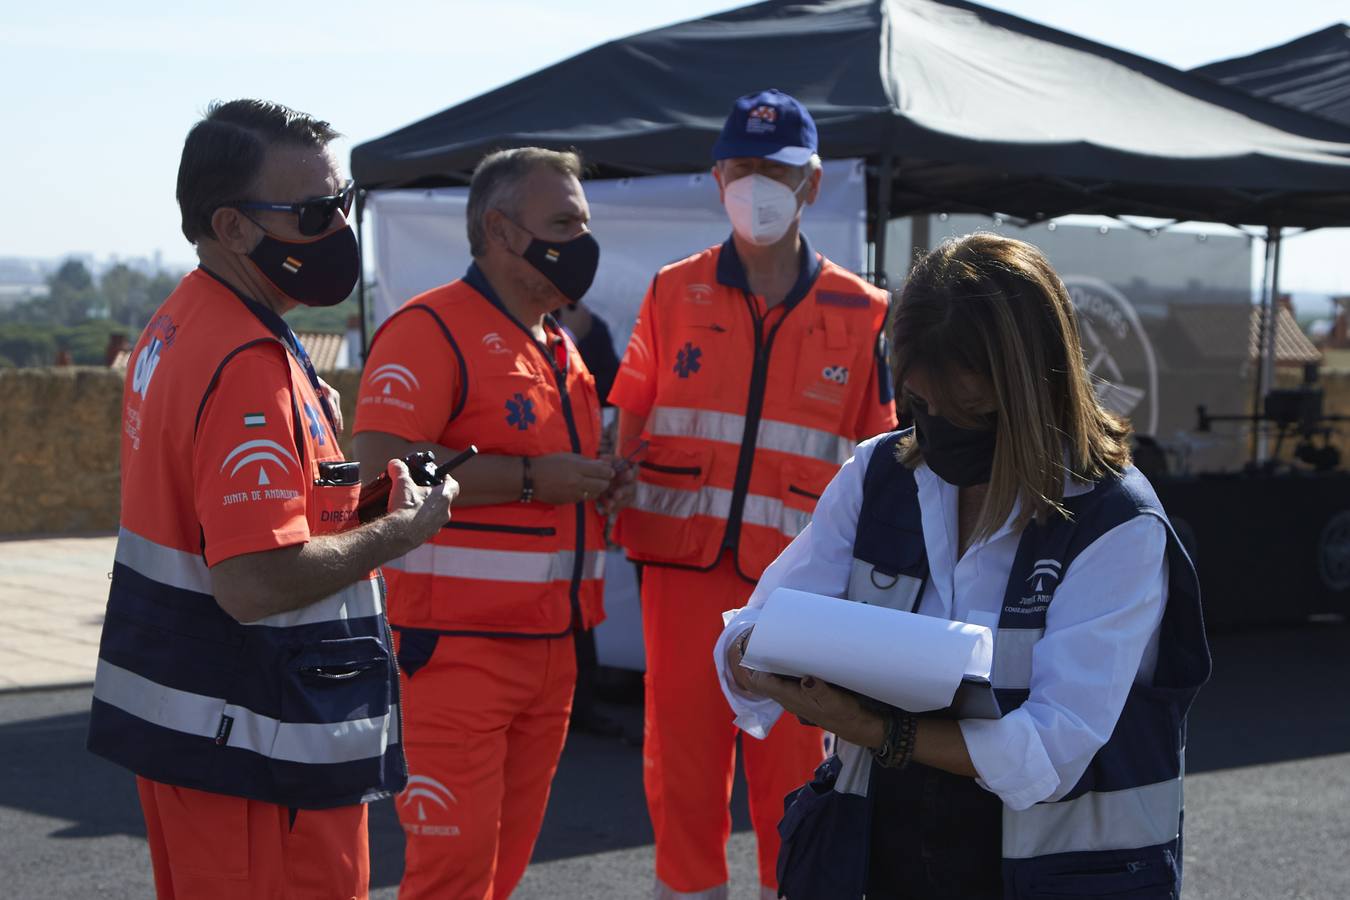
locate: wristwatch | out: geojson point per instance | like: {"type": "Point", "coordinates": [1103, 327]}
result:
{"type": "Point", "coordinates": [526, 481]}
{"type": "Point", "coordinates": [742, 641]}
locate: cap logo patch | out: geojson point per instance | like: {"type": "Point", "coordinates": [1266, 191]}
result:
{"type": "Point", "coordinates": [761, 120]}
{"type": "Point", "coordinates": [292, 265]}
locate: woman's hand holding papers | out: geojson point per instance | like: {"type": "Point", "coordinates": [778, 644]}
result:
{"type": "Point", "coordinates": [810, 699]}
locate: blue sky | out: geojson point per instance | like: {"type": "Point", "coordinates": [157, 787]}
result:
{"type": "Point", "coordinates": [97, 97]}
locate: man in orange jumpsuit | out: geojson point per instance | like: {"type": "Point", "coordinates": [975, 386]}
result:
{"type": "Point", "coordinates": [754, 368]}
{"type": "Point", "coordinates": [486, 610]}
{"type": "Point", "coordinates": [246, 670]}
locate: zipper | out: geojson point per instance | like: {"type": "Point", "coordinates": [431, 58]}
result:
{"type": "Point", "coordinates": [579, 556]}
{"type": "Point", "coordinates": [502, 529]}
{"type": "Point", "coordinates": [398, 672]}
{"type": "Point", "coordinates": [670, 470]}
{"type": "Point", "coordinates": [559, 378]}
{"type": "Point", "coordinates": [793, 489]}
{"type": "Point", "coordinates": [754, 411]}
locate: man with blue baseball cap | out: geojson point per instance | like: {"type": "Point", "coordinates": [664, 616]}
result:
{"type": "Point", "coordinates": [754, 368]}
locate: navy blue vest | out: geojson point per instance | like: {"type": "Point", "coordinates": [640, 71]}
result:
{"type": "Point", "coordinates": [298, 709]}
{"type": "Point", "coordinates": [1119, 829]}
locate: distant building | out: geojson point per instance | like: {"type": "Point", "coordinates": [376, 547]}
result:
{"type": "Point", "coordinates": [1338, 335]}
{"type": "Point", "coordinates": [328, 351]}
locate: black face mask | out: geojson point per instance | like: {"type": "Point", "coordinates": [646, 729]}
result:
{"type": "Point", "coordinates": [570, 265]}
{"type": "Point", "coordinates": [318, 272]}
{"type": "Point", "coordinates": [960, 456]}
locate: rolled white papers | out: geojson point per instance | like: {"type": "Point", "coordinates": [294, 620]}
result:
{"type": "Point", "coordinates": [907, 660]}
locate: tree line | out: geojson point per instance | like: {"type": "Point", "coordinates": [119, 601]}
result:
{"type": "Point", "coordinates": [81, 314]}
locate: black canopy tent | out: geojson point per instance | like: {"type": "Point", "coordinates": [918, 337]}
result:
{"type": "Point", "coordinates": [1310, 73]}
{"type": "Point", "coordinates": [956, 108]}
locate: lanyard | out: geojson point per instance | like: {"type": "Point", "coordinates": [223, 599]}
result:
{"type": "Point", "coordinates": [275, 324]}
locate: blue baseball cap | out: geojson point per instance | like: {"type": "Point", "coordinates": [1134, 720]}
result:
{"type": "Point", "coordinates": [768, 125]}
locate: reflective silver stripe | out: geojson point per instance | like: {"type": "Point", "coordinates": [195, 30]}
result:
{"type": "Point", "coordinates": [868, 585]}
{"type": "Point", "coordinates": [188, 571]}
{"type": "Point", "coordinates": [706, 501]}
{"type": "Point", "coordinates": [664, 891]}
{"type": "Point", "coordinates": [705, 424]}
{"type": "Point", "coordinates": [1114, 820]}
{"type": "Point", "coordinates": [771, 512]}
{"type": "Point", "coordinates": [729, 428]}
{"type": "Point", "coordinates": [515, 566]}
{"type": "Point", "coordinates": [714, 502]}
{"type": "Point", "coordinates": [1012, 657]}
{"type": "Point", "coordinates": [855, 769]}
{"type": "Point", "coordinates": [355, 601]}
{"type": "Point", "coordinates": [802, 441]}
{"type": "Point", "coordinates": [190, 713]}
{"type": "Point", "coordinates": [176, 568]}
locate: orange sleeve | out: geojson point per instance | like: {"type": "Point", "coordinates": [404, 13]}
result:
{"type": "Point", "coordinates": [876, 412]}
{"type": "Point", "coordinates": [411, 383]}
{"type": "Point", "coordinates": [248, 477]}
{"type": "Point", "coordinates": [634, 387]}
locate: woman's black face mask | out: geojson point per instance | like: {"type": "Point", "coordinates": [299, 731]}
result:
{"type": "Point", "coordinates": [959, 456]}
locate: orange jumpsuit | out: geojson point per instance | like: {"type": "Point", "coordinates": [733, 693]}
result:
{"type": "Point", "coordinates": [253, 757]}
{"type": "Point", "coordinates": [749, 412]}
{"type": "Point", "coordinates": [485, 611]}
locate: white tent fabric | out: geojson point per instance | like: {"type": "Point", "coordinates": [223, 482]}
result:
{"type": "Point", "coordinates": [641, 223]}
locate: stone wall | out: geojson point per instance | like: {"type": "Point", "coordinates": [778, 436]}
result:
{"type": "Point", "coordinates": [60, 440]}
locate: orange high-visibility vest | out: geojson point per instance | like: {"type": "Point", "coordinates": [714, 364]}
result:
{"type": "Point", "coordinates": [750, 412]}
{"type": "Point", "coordinates": [513, 568]}
{"type": "Point", "coordinates": [228, 448]}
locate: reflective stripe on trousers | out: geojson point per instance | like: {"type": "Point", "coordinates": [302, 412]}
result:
{"type": "Point", "coordinates": [188, 572]}
{"type": "Point", "coordinates": [516, 566]}
{"type": "Point", "coordinates": [729, 428]}
{"type": "Point", "coordinates": [197, 714]}
{"type": "Point", "coordinates": [714, 502]}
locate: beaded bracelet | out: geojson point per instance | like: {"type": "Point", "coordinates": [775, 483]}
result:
{"type": "Point", "coordinates": [897, 747]}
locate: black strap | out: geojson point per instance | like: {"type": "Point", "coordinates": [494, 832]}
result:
{"type": "Point", "coordinates": [277, 326]}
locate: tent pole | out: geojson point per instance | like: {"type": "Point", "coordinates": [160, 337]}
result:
{"type": "Point", "coordinates": [361, 280]}
{"type": "Point", "coordinates": [883, 222]}
{"type": "Point", "coordinates": [1265, 347]}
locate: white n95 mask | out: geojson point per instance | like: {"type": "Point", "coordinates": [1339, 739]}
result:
{"type": "Point", "coordinates": [761, 209]}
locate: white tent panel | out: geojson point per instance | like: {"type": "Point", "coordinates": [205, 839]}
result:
{"type": "Point", "coordinates": [641, 223]}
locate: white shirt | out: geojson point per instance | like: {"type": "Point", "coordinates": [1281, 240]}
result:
{"type": "Point", "coordinates": [1101, 630]}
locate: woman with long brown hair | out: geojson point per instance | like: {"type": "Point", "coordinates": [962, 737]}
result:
{"type": "Point", "coordinates": [1011, 503]}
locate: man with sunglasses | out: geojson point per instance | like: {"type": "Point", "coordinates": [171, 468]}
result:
{"type": "Point", "coordinates": [486, 610]}
{"type": "Point", "coordinates": [245, 672]}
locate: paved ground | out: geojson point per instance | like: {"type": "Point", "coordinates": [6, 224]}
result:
{"type": "Point", "coordinates": [52, 594]}
{"type": "Point", "coordinates": [1268, 789]}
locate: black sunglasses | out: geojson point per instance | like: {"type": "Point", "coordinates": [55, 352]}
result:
{"type": "Point", "coordinates": [316, 214]}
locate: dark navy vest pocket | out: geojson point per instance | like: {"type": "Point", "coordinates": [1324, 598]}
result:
{"type": "Point", "coordinates": [415, 647]}
{"type": "Point", "coordinates": [330, 744]}
{"type": "Point", "coordinates": [336, 681]}
{"type": "Point", "coordinates": [1149, 873]}
{"type": "Point", "coordinates": [825, 839]}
